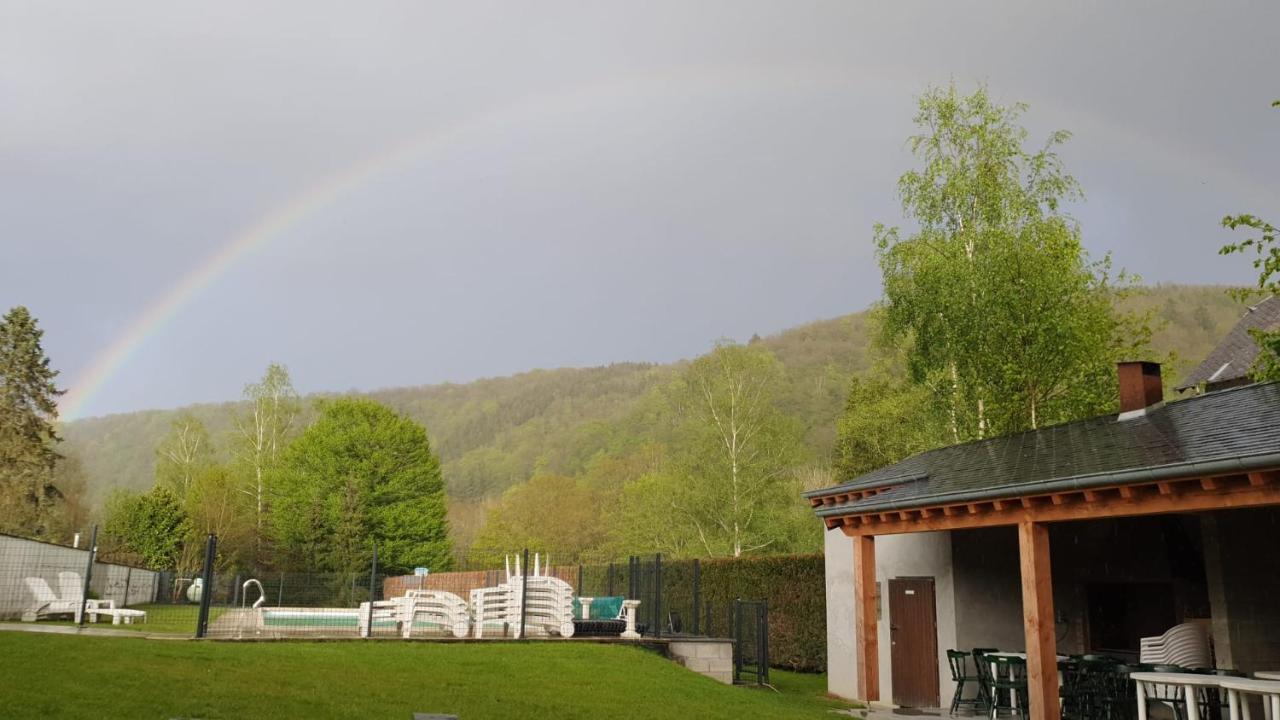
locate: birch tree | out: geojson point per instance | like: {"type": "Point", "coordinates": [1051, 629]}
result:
{"type": "Point", "coordinates": [263, 430]}
{"type": "Point", "coordinates": [1004, 317]}
{"type": "Point", "coordinates": [734, 485]}
{"type": "Point", "coordinates": [183, 454]}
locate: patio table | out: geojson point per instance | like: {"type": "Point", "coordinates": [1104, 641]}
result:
{"type": "Point", "coordinates": [1186, 682]}
{"type": "Point", "coordinates": [995, 670]}
{"type": "Point", "coordinates": [1268, 690]}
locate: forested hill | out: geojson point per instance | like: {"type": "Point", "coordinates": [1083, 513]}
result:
{"type": "Point", "coordinates": [496, 432]}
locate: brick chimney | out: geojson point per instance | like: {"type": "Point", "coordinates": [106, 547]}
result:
{"type": "Point", "coordinates": [1140, 386]}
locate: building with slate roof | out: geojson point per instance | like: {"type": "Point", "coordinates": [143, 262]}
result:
{"type": "Point", "coordinates": [1229, 363]}
{"type": "Point", "coordinates": [1078, 538]}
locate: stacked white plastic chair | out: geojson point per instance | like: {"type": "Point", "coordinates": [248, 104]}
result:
{"type": "Point", "coordinates": [545, 602]}
{"type": "Point", "coordinates": [435, 609]}
{"type": "Point", "coordinates": [1185, 645]}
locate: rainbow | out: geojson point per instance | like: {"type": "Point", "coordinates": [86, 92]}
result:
{"type": "Point", "coordinates": [695, 82]}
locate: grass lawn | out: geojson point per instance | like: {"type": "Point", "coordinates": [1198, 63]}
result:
{"type": "Point", "coordinates": [60, 676]}
{"type": "Point", "coordinates": [170, 619]}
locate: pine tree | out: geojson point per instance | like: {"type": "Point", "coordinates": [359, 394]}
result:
{"type": "Point", "coordinates": [28, 410]}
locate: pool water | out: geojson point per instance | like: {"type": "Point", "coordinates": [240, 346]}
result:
{"type": "Point", "coordinates": [319, 618]}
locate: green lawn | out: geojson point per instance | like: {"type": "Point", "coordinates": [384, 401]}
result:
{"type": "Point", "coordinates": [57, 676]}
{"type": "Point", "coordinates": [161, 618]}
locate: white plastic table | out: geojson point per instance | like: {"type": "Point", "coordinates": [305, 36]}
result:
{"type": "Point", "coordinates": [1186, 682]}
{"type": "Point", "coordinates": [1239, 688]}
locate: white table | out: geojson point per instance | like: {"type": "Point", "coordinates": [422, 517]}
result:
{"type": "Point", "coordinates": [1268, 690]}
{"type": "Point", "coordinates": [1187, 683]}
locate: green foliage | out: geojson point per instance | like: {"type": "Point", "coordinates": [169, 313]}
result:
{"type": "Point", "coordinates": [28, 410]}
{"type": "Point", "coordinates": [730, 483]}
{"type": "Point", "coordinates": [794, 585]}
{"type": "Point", "coordinates": [1002, 315]}
{"type": "Point", "coordinates": [1266, 249]}
{"type": "Point", "coordinates": [153, 526]}
{"type": "Point", "coordinates": [557, 514]}
{"type": "Point", "coordinates": [361, 473]}
{"type": "Point", "coordinates": [183, 454]}
{"type": "Point", "coordinates": [886, 419]}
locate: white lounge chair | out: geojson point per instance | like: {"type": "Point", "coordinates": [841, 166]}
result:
{"type": "Point", "coordinates": [1185, 645]}
{"type": "Point", "coordinates": [382, 610]}
{"type": "Point", "coordinates": [48, 604]}
{"type": "Point", "coordinates": [72, 588]}
{"type": "Point", "coordinates": [540, 604]}
{"type": "Point", "coordinates": [434, 609]}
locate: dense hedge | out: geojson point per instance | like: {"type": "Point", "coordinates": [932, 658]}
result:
{"type": "Point", "coordinates": [794, 585]}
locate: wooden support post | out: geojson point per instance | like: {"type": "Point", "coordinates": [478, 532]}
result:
{"type": "Point", "coordinates": [866, 639]}
{"type": "Point", "coordinates": [1037, 617]}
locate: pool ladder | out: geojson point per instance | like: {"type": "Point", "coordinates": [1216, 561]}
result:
{"type": "Point", "coordinates": [262, 594]}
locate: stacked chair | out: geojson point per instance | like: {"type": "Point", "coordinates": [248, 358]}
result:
{"type": "Point", "coordinates": [434, 610]}
{"type": "Point", "coordinates": [1185, 645]}
{"type": "Point", "coordinates": [543, 601]}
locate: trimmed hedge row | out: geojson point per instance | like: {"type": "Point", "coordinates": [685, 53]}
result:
{"type": "Point", "coordinates": [794, 585]}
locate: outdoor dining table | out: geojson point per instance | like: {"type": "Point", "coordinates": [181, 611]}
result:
{"type": "Point", "coordinates": [1186, 682]}
{"type": "Point", "coordinates": [1268, 690]}
{"type": "Point", "coordinates": [995, 670]}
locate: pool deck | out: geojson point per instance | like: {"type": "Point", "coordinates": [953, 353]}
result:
{"type": "Point", "coordinates": [88, 631]}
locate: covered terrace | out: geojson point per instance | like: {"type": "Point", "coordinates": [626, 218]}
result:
{"type": "Point", "coordinates": [1191, 488]}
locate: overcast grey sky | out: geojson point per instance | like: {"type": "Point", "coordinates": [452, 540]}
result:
{"type": "Point", "coordinates": [584, 182]}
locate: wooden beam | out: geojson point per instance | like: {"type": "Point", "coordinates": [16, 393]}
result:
{"type": "Point", "coordinates": [1028, 502]}
{"type": "Point", "coordinates": [999, 504]}
{"type": "Point", "coordinates": [1165, 488]}
{"type": "Point", "coordinates": [1037, 618]}
{"type": "Point", "coordinates": [1126, 491]}
{"type": "Point", "coordinates": [1209, 483]}
{"type": "Point", "coordinates": [1058, 499]}
{"type": "Point", "coordinates": [1258, 479]}
{"type": "Point", "coordinates": [866, 638]}
{"type": "Point", "coordinates": [1092, 496]}
{"type": "Point", "coordinates": [1145, 500]}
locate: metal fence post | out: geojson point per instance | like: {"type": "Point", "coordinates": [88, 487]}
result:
{"type": "Point", "coordinates": [128, 579]}
{"type": "Point", "coordinates": [697, 594]}
{"type": "Point", "coordinates": [579, 579]}
{"type": "Point", "coordinates": [524, 591]}
{"type": "Point", "coordinates": [763, 660]}
{"type": "Point", "coordinates": [609, 582]}
{"type": "Point", "coordinates": [280, 591]}
{"type": "Point", "coordinates": [657, 595]}
{"type": "Point", "coordinates": [88, 573]}
{"type": "Point", "coordinates": [235, 591]}
{"type": "Point", "coordinates": [373, 579]}
{"type": "Point", "coordinates": [206, 592]}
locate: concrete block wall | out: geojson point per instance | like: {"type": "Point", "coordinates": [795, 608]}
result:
{"type": "Point", "coordinates": [21, 558]}
{"type": "Point", "coordinates": [713, 658]}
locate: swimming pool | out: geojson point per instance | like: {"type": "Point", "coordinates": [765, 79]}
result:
{"type": "Point", "coordinates": [318, 618]}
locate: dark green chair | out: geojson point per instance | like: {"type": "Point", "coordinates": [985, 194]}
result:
{"type": "Point", "coordinates": [982, 668]}
{"type": "Point", "coordinates": [1009, 687]}
{"type": "Point", "coordinates": [959, 663]}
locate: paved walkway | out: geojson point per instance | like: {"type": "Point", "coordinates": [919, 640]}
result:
{"type": "Point", "coordinates": [881, 713]}
{"type": "Point", "coordinates": [90, 630]}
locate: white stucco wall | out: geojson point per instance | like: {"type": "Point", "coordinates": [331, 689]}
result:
{"type": "Point", "coordinates": [914, 555]}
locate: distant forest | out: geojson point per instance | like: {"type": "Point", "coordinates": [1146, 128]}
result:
{"type": "Point", "coordinates": [495, 434]}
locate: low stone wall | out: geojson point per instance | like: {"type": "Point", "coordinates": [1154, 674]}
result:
{"type": "Point", "coordinates": [21, 558]}
{"type": "Point", "coordinates": [710, 657]}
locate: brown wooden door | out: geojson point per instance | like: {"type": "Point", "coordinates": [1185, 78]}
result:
{"type": "Point", "coordinates": [913, 640]}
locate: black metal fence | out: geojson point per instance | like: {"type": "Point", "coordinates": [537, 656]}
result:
{"type": "Point", "coordinates": [519, 597]}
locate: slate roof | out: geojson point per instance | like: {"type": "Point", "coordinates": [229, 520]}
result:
{"type": "Point", "coordinates": [1232, 358]}
{"type": "Point", "coordinates": [1233, 430]}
